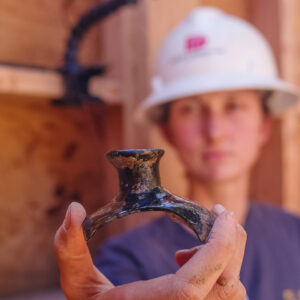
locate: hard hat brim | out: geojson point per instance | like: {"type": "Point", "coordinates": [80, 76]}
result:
{"type": "Point", "coordinates": [284, 94]}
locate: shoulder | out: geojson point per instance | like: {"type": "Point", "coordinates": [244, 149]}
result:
{"type": "Point", "coordinates": [269, 218]}
{"type": "Point", "coordinates": [273, 212]}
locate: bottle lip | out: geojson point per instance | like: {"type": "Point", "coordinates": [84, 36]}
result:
{"type": "Point", "coordinates": [136, 153]}
{"type": "Point", "coordinates": [135, 158]}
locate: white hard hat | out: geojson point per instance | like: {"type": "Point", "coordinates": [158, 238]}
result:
{"type": "Point", "coordinates": [213, 51]}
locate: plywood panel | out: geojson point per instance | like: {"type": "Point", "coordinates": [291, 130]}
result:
{"type": "Point", "coordinates": [163, 16]}
{"type": "Point", "coordinates": [171, 169]}
{"type": "Point", "coordinates": [49, 157]}
{"type": "Point", "coordinates": [35, 31]}
{"type": "Point", "coordinates": [290, 66]}
{"type": "Point", "coordinates": [239, 8]}
{"type": "Point", "coordinates": [267, 176]}
{"type": "Point", "coordinates": [268, 26]}
{"type": "Point", "coordinates": [290, 40]}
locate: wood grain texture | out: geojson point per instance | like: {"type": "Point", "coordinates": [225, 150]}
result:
{"type": "Point", "coordinates": [269, 26]}
{"type": "Point", "coordinates": [239, 8]}
{"type": "Point", "coordinates": [49, 157]}
{"type": "Point", "coordinates": [290, 62]}
{"type": "Point", "coordinates": [290, 40]}
{"type": "Point", "coordinates": [134, 69]}
{"type": "Point", "coordinates": [267, 175]}
{"type": "Point", "coordinates": [35, 31]}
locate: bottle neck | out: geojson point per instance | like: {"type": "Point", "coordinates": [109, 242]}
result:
{"type": "Point", "coordinates": [140, 177]}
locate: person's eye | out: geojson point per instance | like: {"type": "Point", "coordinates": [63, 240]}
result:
{"type": "Point", "coordinates": [189, 108]}
{"type": "Point", "coordinates": [234, 106]}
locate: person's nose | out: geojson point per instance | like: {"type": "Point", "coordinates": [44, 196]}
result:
{"type": "Point", "coordinates": [214, 127]}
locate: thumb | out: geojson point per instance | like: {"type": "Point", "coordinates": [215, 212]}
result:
{"type": "Point", "coordinates": [71, 249]}
{"type": "Point", "coordinates": [75, 263]}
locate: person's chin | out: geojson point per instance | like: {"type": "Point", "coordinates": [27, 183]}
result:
{"type": "Point", "coordinates": [218, 175]}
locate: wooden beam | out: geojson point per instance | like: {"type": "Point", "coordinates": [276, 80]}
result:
{"type": "Point", "coordinates": [49, 84]}
{"type": "Point", "coordinates": [290, 61]}
{"type": "Point", "coordinates": [268, 174]}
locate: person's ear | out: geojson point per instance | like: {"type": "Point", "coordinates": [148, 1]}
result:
{"type": "Point", "coordinates": [266, 129]}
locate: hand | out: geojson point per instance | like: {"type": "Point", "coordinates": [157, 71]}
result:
{"type": "Point", "coordinates": [207, 272]}
{"type": "Point", "coordinates": [221, 251]}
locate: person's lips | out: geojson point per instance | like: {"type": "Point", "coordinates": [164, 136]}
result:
{"type": "Point", "coordinates": [215, 155]}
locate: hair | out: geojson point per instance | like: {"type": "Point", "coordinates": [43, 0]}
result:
{"type": "Point", "coordinates": [265, 98]}
{"type": "Point", "coordinates": [163, 115]}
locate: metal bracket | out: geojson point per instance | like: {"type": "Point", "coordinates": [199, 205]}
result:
{"type": "Point", "coordinates": [77, 77]}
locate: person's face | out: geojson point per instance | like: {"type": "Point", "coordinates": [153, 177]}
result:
{"type": "Point", "coordinates": [218, 135]}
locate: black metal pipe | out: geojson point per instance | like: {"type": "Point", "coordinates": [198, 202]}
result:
{"type": "Point", "coordinates": [77, 77]}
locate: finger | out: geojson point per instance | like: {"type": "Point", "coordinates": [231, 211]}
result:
{"type": "Point", "coordinates": [208, 263]}
{"type": "Point", "coordinates": [76, 267]}
{"type": "Point", "coordinates": [234, 268]}
{"type": "Point", "coordinates": [232, 271]}
{"type": "Point", "coordinates": [218, 209]}
{"type": "Point", "coordinates": [241, 293]}
{"type": "Point", "coordinates": [182, 256]}
{"type": "Point", "coordinates": [233, 290]}
{"type": "Point", "coordinates": [69, 241]}
{"type": "Point", "coordinates": [228, 285]}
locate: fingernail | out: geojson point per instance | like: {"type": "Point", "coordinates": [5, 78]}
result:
{"type": "Point", "coordinates": [218, 209]}
{"type": "Point", "coordinates": [67, 221]}
{"type": "Point", "coordinates": [239, 227]}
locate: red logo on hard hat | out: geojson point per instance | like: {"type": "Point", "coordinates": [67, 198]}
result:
{"type": "Point", "coordinates": [195, 43]}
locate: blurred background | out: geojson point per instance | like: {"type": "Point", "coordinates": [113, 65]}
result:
{"type": "Point", "coordinates": [51, 155]}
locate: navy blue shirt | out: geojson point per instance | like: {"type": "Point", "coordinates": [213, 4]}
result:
{"type": "Point", "coordinates": [271, 267]}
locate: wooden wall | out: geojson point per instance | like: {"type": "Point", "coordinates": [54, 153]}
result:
{"type": "Point", "coordinates": [35, 32]}
{"type": "Point", "coordinates": [50, 156]}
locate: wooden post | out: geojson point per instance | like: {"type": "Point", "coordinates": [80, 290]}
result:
{"type": "Point", "coordinates": [134, 71]}
{"type": "Point", "coordinates": [290, 62]}
{"type": "Point", "coordinates": [269, 173]}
